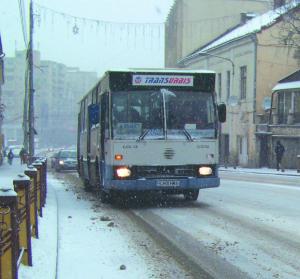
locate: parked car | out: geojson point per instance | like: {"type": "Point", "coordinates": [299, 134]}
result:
{"type": "Point", "coordinates": [53, 157]}
{"type": "Point", "coordinates": [65, 160]}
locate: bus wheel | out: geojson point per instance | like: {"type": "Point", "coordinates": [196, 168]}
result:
{"type": "Point", "coordinates": [191, 195]}
{"type": "Point", "coordinates": [87, 186]}
{"type": "Point", "coordinates": [105, 197]}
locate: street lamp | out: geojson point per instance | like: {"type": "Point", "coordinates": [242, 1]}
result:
{"type": "Point", "coordinates": [217, 56]}
{"type": "Point", "coordinates": [186, 60]}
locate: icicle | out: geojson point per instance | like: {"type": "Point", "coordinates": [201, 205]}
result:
{"type": "Point", "coordinates": [105, 33]}
{"type": "Point", "coordinates": [45, 17]}
{"type": "Point", "coordinates": [52, 18]}
{"type": "Point", "coordinates": [75, 28]}
{"type": "Point", "coordinates": [97, 26]}
{"type": "Point", "coordinates": [121, 33]}
{"type": "Point", "coordinates": [135, 35]}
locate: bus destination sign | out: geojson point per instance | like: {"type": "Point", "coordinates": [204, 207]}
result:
{"type": "Point", "coordinates": [162, 80]}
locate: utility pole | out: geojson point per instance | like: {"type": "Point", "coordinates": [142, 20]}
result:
{"type": "Point", "coordinates": [25, 112]}
{"type": "Point", "coordinates": [31, 130]}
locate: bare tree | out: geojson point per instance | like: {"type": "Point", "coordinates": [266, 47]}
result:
{"type": "Point", "coordinates": [289, 33]}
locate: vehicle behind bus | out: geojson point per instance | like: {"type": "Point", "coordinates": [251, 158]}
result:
{"type": "Point", "coordinates": [150, 130]}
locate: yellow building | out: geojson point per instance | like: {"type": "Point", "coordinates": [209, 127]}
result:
{"type": "Point", "coordinates": [248, 61]}
{"type": "Point", "coordinates": [193, 23]}
{"type": "Point", "coordinates": [1, 105]}
{"type": "Point", "coordinates": [284, 123]}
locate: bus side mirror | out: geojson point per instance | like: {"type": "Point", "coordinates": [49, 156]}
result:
{"type": "Point", "coordinates": [222, 112]}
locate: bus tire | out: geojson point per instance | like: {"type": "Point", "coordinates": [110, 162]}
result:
{"type": "Point", "coordinates": [191, 195]}
{"type": "Point", "coordinates": [105, 197]}
{"type": "Point", "coordinates": [87, 185]}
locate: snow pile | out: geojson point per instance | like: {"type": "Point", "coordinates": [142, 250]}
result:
{"type": "Point", "coordinates": [261, 171]}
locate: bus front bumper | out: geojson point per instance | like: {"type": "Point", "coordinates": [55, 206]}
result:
{"type": "Point", "coordinates": [163, 184]}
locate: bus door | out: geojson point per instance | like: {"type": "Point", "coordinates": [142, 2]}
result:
{"type": "Point", "coordinates": [78, 144]}
{"type": "Point", "coordinates": [104, 134]}
{"type": "Point", "coordinates": [93, 120]}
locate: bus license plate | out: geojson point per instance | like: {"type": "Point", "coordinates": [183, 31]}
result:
{"type": "Point", "coordinates": [168, 183]}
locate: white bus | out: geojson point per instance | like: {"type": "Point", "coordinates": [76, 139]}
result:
{"type": "Point", "coordinates": [150, 130]}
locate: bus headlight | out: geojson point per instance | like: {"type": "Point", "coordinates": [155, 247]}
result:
{"type": "Point", "coordinates": [205, 171]}
{"type": "Point", "coordinates": [123, 172]}
{"type": "Point", "coordinates": [61, 162]}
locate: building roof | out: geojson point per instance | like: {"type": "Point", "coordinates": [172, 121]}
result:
{"type": "Point", "coordinates": [292, 81]}
{"type": "Point", "coordinates": [292, 77]}
{"type": "Point", "coordinates": [287, 85]}
{"type": "Point", "coordinates": [161, 71]}
{"type": "Point", "coordinates": [252, 26]}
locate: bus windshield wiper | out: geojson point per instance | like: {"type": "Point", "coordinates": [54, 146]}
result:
{"type": "Point", "coordinates": [142, 136]}
{"type": "Point", "coordinates": [187, 134]}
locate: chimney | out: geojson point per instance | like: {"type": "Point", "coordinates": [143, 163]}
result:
{"type": "Point", "coordinates": [246, 16]}
{"type": "Point", "coordinates": [278, 3]}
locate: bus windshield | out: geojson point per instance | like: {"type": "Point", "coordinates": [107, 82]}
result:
{"type": "Point", "coordinates": [163, 114]}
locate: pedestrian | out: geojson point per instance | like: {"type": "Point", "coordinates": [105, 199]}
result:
{"type": "Point", "coordinates": [10, 156]}
{"type": "Point", "coordinates": [23, 155]}
{"type": "Point", "coordinates": [279, 151]}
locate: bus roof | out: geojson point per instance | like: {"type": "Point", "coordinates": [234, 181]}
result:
{"type": "Point", "coordinates": [161, 70]}
{"type": "Point", "coordinates": [148, 71]}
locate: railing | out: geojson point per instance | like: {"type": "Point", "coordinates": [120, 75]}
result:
{"type": "Point", "coordinates": [19, 210]}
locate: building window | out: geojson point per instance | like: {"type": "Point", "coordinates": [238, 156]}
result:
{"type": "Point", "coordinates": [284, 106]}
{"type": "Point", "coordinates": [227, 85]}
{"type": "Point", "coordinates": [220, 85]}
{"type": "Point", "coordinates": [297, 107]}
{"type": "Point", "coordinates": [240, 144]}
{"type": "Point", "coordinates": [288, 107]}
{"type": "Point", "coordinates": [243, 82]}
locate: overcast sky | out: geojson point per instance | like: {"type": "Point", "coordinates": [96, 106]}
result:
{"type": "Point", "coordinates": [92, 34]}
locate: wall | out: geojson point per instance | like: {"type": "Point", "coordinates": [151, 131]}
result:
{"type": "Point", "coordinates": [240, 115]}
{"type": "Point", "coordinates": [194, 23]}
{"type": "Point", "coordinates": [274, 61]}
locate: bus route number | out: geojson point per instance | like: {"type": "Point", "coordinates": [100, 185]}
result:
{"type": "Point", "coordinates": [129, 146]}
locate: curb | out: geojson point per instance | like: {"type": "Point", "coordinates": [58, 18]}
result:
{"type": "Point", "coordinates": [199, 261]}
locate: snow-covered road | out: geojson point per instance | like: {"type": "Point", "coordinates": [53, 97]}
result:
{"type": "Point", "coordinates": [251, 227]}
{"type": "Point", "coordinates": [247, 228]}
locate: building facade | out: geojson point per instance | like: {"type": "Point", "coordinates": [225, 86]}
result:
{"type": "Point", "coordinates": [248, 61]}
{"type": "Point", "coordinates": [284, 123]}
{"type": "Point", "coordinates": [58, 90]}
{"type": "Point", "coordinates": [1, 104]}
{"type": "Point", "coordinates": [55, 99]}
{"type": "Point", "coordinates": [13, 96]}
{"type": "Point", "coordinates": [194, 23]}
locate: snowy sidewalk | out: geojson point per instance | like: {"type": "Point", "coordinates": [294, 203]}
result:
{"type": "Point", "coordinates": [9, 172]}
{"type": "Point", "coordinates": [82, 238]}
{"type": "Point", "coordinates": [260, 171]}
